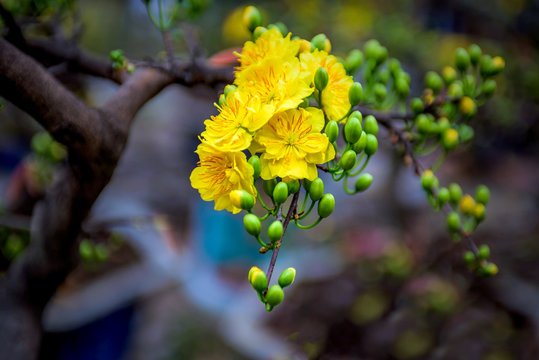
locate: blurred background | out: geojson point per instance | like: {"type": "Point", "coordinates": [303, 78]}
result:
{"type": "Point", "coordinates": [164, 276]}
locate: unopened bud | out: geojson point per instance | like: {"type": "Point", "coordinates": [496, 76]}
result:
{"type": "Point", "coordinates": [449, 74]}
{"type": "Point", "coordinates": [321, 78]}
{"type": "Point", "coordinates": [433, 81]}
{"type": "Point", "coordinates": [462, 59]}
{"type": "Point", "coordinates": [293, 186]}
{"type": "Point", "coordinates": [372, 145]}
{"type": "Point", "coordinates": [360, 145]}
{"type": "Point", "coordinates": [467, 205]}
{"type": "Point", "coordinates": [258, 32]}
{"type": "Point", "coordinates": [363, 182]}
{"type": "Point", "coordinates": [453, 222]}
{"type": "Point", "coordinates": [479, 212]}
{"type": "Point", "coordinates": [280, 193]}
{"type": "Point", "coordinates": [353, 61]}
{"type": "Point", "coordinates": [251, 222]}
{"type": "Point", "coordinates": [254, 161]}
{"type": "Point", "coordinates": [380, 92]}
{"type": "Point", "coordinates": [275, 231]}
{"type": "Point", "coordinates": [275, 295]}
{"type": "Point", "coordinates": [450, 139]}
{"type": "Point", "coordinates": [355, 94]}
{"type": "Point", "coordinates": [455, 90]}
{"type": "Point", "coordinates": [332, 131]}
{"type": "Point", "coordinates": [242, 199]}
{"type": "Point", "coordinates": [467, 106]}
{"type": "Point", "coordinates": [287, 277]}
{"type": "Point", "coordinates": [475, 54]}
{"type": "Point", "coordinates": [352, 129]}
{"type": "Point", "coordinates": [321, 42]}
{"type": "Point", "coordinates": [251, 18]}
{"type": "Point", "coordinates": [348, 160]}
{"type": "Point", "coordinates": [443, 196]}
{"type": "Point", "coordinates": [482, 194]}
{"type": "Point", "coordinates": [258, 279]}
{"type": "Point", "coordinates": [428, 180]}
{"type": "Point", "coordinates": [455, 193]}
{"type": "Point", "coordinates": [466, 133]}
{"type": "Point", "coordinates": [488, 88]}
{"type": "Point", "coordinates": [268, 186]}
{"type": "Point", "coordinates": [371, 125]}
{"type": "Point", "coordinates": [316, 189]}
{"type": "Point", "coordinates": [417, 105]}
{"type": "Point", "coordinates": [326, 205]}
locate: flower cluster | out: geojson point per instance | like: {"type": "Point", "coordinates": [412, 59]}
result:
{"type": "Point", "coordinates": [267, 112]}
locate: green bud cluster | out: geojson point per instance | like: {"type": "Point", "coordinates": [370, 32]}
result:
{"type": "Point", "coordinates": [273, 295]}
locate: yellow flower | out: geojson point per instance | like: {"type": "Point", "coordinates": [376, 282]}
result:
{"type": "Point", "coordinates": [280, 84]}
{"type": "Point", "coordinates": [269, 44]}
{"type": "Point", "coordinates": [335, 96]}
{"type": "Point", "coordinates": [232, 129]}
{"type": "Point", "coordinates": [294, 145]}
{"type": "Point", "coordinates": [218, 173]}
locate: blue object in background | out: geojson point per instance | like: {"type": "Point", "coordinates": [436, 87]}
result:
{"type": "Point", "coordinates": [103, 339]}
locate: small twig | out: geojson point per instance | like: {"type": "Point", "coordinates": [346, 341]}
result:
{"type": "Point", "coordinates": [291, 210]}
{"type": "Point", "coordinates": [167, 40]}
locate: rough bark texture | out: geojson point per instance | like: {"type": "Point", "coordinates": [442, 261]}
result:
{"type": "Point", "coordinates": [95, 139]}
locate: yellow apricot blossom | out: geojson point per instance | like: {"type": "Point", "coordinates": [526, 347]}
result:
{"type": "Point", "coordinates": [280, 84]}
{"type": "Point", "coordinates": [293, 144]}
{"type": "Point", "coordinates": [218, 173]}
{"type": "Point", "coordinates": [269, 44]}
{"type": "Point", "coordinates": [232, 129]}
{"type": "Point", "coordinates": [335, 96]}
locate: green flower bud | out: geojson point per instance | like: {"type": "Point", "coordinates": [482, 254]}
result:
{"type": "Point", "coordinates": [483, 252]}
{"type": "Point", "coordinates": [332, 131]}
{"type": "Point", "coordinates": [380, 92]}
{"type": "Point", "coordinates": [381, 54]}
{"type": "Point", "coordinates": [469, 80]}
{"type": "Point", "coordinates": [321, 42]}
{"type": "Point", "coordinates": [383, 76]}
{"type": "Point", "coordinates": [355, 93]}
{"type": "Point", "coordinates": [275, 231]}
{"type": "Point", "coordinates": [467, 106]}
{"type": "Point", "coordinates": [469, 257]}
{"type": "Point", "coordinates": [360, 145]}
{"type": "Point", "coordinates": [268, 186]}
{"type": "Point", "coordinates": [423, 123]}
{"type": "Point", "coordinates": [229, 89]}
{"type": "Point", "coordinates": [490, 269]}
{"type": "Point", "coordinates": [280, 193]}
{"type": "Point", "coordinates": [372, 145]}
{"type": "Point", "coordinates": [433, 81]}
{"type": "Point", "coordinates": [450, 139]}
{"type": "Point", "coordinates": [489, 87]}
{"type": "Point", "coordinates": [402, 87]}
{"type": "Point", "coordinates": [321, 78]}
{"type": "Point", "coordinates": [275, 295]}
{"type": "Point", "coordinates": [428, 180]}
{"type": "Point", "coordinates": [287, 277]}
{"type": "Point", "coordinates": [417, 106]}
{"type": "Point", "coordinates": [462, 59]}
{"type": "Point", "coordinates": [479, 212]}
{"type": "Point", "coordinates": [317, 189]}
{"type": "Point", "coordinates": [443, 196]}
{"type": "Point", "coordinates": [348, 160]}
{"type": "Point", "coordinates": [371, 125]}
{"type": "Point", "coordinates": [251, 18]}
{"type": "Point", "coordinates": [251, 222]}
{"type": "Point", "coordinates": [357, 114]}
{"type": "Point", "coordinates": [455, 193]}
{"type": "Point", "coordinates": [259, 31]}
{"type": "Point", "coordinates": [443, 124]}
{"type": "Point", "coordinates": [305, 103]}
{"type": "Point", "coordinates": [307, 184]}
{"type": "Point", "coordinates": [254, 161]}
{"type": "Point", "coordinates": [449, 74]}
{"type": "Point", "coordinates": [394, 67]}
{"type": "Point", "coordinates": [371, 49]}
{"type": "Point", "coordinates": [475, 54]}
{"type": "Point", "coordinates": [293, 186]}
{"type": "Point", "coordinates": [467, 205]}
{"type": "Point", "coordinates": [455, 90]}
{"type": "Point", "coordinates": [353, 61]}
{"type": "Point", "coordinates": [222, 100]}
{"type": "Point", "coordinates": [281, 27]}
{"type": "Point", "coordinates": [242, 199]}
{"type": "Point", "coordinates": [326, 205]}
{"type": "Point", "coordinates": [258, 279]}
{"type": "Point", "coordinates": [352, 129]}
{"type": "Point", "coordinates": [466, 133]}
{"type": "Point", "coordinates": [363, 182]}
{"type": "Point", "coordinates": [453, 222]}
{"type": "Point", "coordinates": [482, 194]}
{"type": "Point", "coordinates": [86, 250]}
{"type": "Point", "coordinates": [499, 64]}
